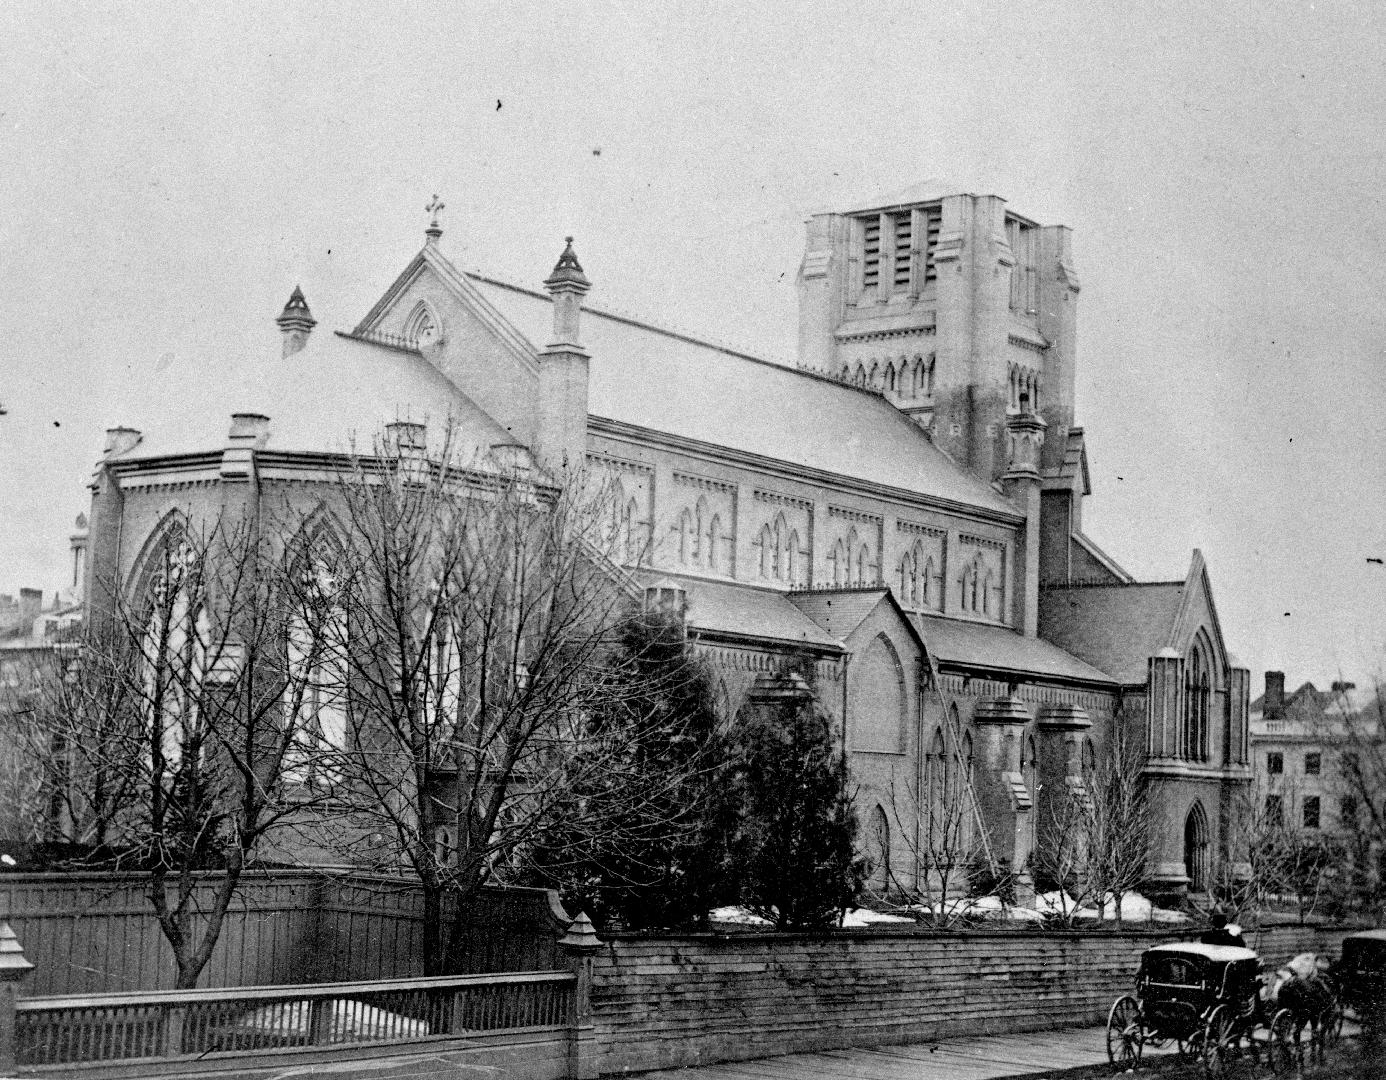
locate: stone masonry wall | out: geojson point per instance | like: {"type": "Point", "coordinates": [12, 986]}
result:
{"type": "Point", "coordinates": [677, 1001]}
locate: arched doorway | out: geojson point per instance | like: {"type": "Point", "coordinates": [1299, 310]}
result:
{"type": "Point", "coordinates": [1196, 849]}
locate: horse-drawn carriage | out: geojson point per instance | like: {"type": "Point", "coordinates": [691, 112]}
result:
{"type": "Point", "coordinates": [1361, 978]}
{"type": "Point", "coordinates": [1211, 1001]}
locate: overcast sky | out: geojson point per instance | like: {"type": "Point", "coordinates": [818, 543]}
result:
{"type": "Point", "coordinates": [167, 175]}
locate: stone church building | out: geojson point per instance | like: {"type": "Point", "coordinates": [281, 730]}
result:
{"type": "Point", "coordinates": [907, 499]}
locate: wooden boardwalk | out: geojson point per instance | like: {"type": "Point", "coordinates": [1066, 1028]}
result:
{"type": "Point", "coordinates": [982, 1057]}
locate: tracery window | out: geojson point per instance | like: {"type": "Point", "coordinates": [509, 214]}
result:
{"type": "Point", "coordinates": [1197, 697]}
{"type": "Point", "coordinates": [316, 651]}
{"type": "Point", "coordinates": [174, 650]}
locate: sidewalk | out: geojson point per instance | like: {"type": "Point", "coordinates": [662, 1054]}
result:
{"type": "Point", "coordinates": [981, 1057]}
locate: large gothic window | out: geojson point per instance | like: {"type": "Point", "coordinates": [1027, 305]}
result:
{"type": "Point", "coordinates": [174, 648]}
{"type": "Point", "coordinates": [315, 692]}
{"type": "Point", "coordinates": [879, 718]}
{"type": "Point", "coordinates": [1198, 687]}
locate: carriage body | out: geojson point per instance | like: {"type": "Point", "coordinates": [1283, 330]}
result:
{"type": "Point", "coordinates": [1213, 1001]}
{"type": "Point", "coordinates": [1361, 976]}
{"type": "Point", "coordinates": [1179, 986]}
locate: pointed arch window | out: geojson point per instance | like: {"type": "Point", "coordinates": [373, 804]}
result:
{"type": "Point", "coordinates": [175, 645]}
{"type": "Point", "coordinates": [316, 669]}
{"type": "Point", "coordinates": [422, 327]}
{"type": "Point", "coordinates": [1198, 686]}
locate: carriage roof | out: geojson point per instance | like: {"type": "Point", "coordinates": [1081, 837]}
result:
{"type": "Point", "coordinates": [1219, 954]}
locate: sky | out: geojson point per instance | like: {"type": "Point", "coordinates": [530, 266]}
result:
{"type": "Point", "coordinates": [168, 173]}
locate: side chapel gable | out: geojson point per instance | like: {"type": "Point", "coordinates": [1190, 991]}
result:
{"type": "Point", "coordinates": [432, 307]}
{"type": "Point", "coordinates": [1197, 612]}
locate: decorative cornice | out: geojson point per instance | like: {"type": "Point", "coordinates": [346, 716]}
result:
{"type": "Point", "coordinates": [920, 530]}
{"type": "Point", "coordinates": [707, 483]}
{"type": "Point", "coordinates": [1026, 343]}
{"type": "Point", "coordinates": [783, 500]}
{"type": "Point", "coordinates": [883, 335]}
{"type": "Point", "coordinates": [854, 515]}
{"type": "Point", "coordinates": [619, 464]}
{"type": "Point", "coordinates": [982, 541]}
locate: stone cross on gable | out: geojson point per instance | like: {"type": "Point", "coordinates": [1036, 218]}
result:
{"type": "Point", "coordinates": [434, 207]}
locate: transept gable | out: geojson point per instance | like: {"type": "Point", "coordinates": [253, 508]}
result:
{"type": "Point", "coordinates": [433, 307]}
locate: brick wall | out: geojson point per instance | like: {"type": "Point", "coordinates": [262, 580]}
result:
{"type": "Point", "coordinates": [676, 1001]}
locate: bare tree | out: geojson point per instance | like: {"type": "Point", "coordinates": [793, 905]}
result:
{"type": "Point", "coordinates": [938, 827]}
{"type": "Point", "coordinates": [165, 739]}
{"type": "Point", "coordinates": [1096, 837]}
{"type": "Point", "coordinates": [481, 621]}
{"type": "Point", "coordinates": [1356, 729]}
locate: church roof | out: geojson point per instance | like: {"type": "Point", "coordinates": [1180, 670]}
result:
{"type": "Point", "coordinates": [839, 611]}
{"type": "Point", "coordinates": [1001, 649]}
{"type": "Point", "coordinates": [335, 389]}
{"type": "Point", "coordinates": [1115, 627]}
{"type": "Point", "coordinates": [669, 382]}
{"type": "Point", "coordinates": [745, 611]}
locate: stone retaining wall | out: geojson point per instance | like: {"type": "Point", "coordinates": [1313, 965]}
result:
{"type": "Point", "coordinates": [676, 1001]}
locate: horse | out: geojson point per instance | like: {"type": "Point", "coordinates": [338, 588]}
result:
{"type": "Point", "coordinates": [1304, 987]}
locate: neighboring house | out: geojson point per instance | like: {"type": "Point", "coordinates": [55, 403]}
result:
{"type": "Point", "coordinates": [1304, 743]}
{"type": "Point", "coordinates": [911, 490]}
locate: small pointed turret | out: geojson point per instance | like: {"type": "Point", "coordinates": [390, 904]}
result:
{"type": "Point", "coordinates": [296, 322]}
{"type": "Point", "coordinates": [567, 285]}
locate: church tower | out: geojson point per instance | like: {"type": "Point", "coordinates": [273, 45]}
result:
{"type": "Point", "coordinates": [953, 307]}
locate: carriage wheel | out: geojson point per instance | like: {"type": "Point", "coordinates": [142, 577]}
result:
{"type": "Point", "coordinates": [1125, 1033]}
{"type": "Point", "coordinates": [1217, 1041]}
{"type": "Point", "coordinates": [1284, 1042]}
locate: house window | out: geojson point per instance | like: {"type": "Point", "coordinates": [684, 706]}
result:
{"type": "Point", "coordinates": [1275, 810]}
{"type": "Point", "coordinates": [1348, 811]}
{"type": "Point", "coordinates": [1311, 764]}
{"type": "Point", "coordinates": [1275, 763]}
{"type": "Point", "coordinates": [1311, 811]}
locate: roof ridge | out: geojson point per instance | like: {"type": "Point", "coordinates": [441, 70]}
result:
{"type": "Point", "coordinates": [1088, 583]}
{"type": "Point", "coordinates": [691, 338]}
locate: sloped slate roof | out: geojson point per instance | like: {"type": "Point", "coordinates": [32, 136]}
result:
{"type": "Point", "coordinates": [1114, 627]}
{"type": "Point", "coordinates": [745, 611]}
{"type": "Point", "coordinates": [838, 612]}
{"type": "Point", "coordinates": [318, 399]}
{"type": "Point", "coordinates": [1000, 648]}
{"type": "Point", "coordinates": [667, 382]}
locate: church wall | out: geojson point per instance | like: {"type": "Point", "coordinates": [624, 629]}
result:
{"type": "Point", "coordinates": [883, 739]}
{"type": "Point", "coordinates": [779, 531]}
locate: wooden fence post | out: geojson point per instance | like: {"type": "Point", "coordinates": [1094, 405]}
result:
{"type": "Point", "coordinates": [577, 946]}
{"type": "Point", "coordinates": [13, 967]}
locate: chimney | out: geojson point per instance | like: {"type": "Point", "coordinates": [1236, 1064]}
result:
{"type": "Point", "coordinates": [1273, 705]}
{"type": "Point", "coordinates": [78, 544]}
{"type": "Point", "coordinates": [296, 322]}
{"type": "Point", "coordinates": [249, 432]}
{"type": "Point", "coordinates": [120, 439]}
{"type": "Point", "coordinates": [30, 605]}
{"type": "Point", "coordinates": [561, 434]}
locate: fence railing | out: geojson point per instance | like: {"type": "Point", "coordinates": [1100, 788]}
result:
{"type": "Point", "coordinates": [126, 1027]}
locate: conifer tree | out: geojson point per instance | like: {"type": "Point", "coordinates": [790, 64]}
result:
{"type": "Point", "coordinates": [793, 851]}
{"type": "Point", "coordinates": [633, 843]}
